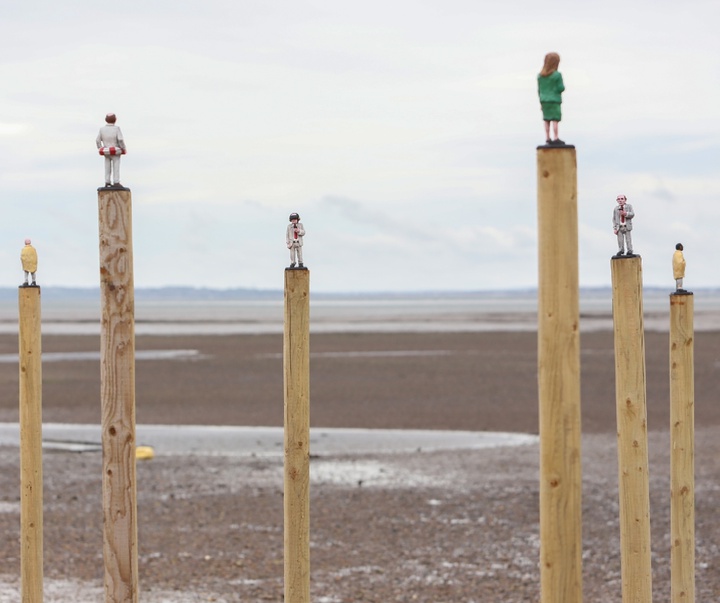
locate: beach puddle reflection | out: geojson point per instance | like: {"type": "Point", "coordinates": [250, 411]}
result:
{"type": "Point", "coordinates": [95, 356]}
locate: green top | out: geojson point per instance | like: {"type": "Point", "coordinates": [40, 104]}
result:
{"type": "Point", "coordinates": [550, 87]}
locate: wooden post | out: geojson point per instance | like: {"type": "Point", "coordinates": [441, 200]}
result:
{"type": "Point", "coordinates": [634, 489]}
{"type": "Point", "coordinates": [682, 449]}
{"type": "Point", "coordinates": [559, 377]}
{"type": "Point", "coordinates": [296, 364]}
{"type": "Point", "coordinates": [117, 372]}
{"type": "Point", "coordinates": [31, 475]}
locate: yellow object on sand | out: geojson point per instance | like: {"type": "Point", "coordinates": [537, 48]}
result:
{"type": "Point", "coordinates": [144, 453]}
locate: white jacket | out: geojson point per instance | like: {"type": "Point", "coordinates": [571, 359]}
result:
{"type": "Point", "coordinates": [290, 236]}
{"type": "Point", "coordinates": [110, 136]}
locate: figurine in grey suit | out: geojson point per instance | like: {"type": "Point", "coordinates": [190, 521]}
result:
{"type": "Point", "coordinates": [623, 215]}
{"type": "Point", "coordinates": [111, 144]}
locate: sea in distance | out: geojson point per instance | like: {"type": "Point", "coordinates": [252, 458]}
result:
{"type": "Point", "coordinates": [189, 311]}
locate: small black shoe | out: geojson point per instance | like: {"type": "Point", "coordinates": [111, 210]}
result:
{"type": "Point", "coordinates": [558, 142]}
{"type": "Point", "coordinates": [619, 253]}
{"type": "Point", "coordinates": [34, 284]}
{"type": "Point", "coordinates": [107, 185]}
{"type": "Point", "coordinates": [301, 265]}
{"type": "Point", "coordinates": [548, 141]}
{"type": "Point", "coordinates": [292, 265]}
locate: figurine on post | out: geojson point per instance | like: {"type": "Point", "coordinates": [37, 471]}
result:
{"type": "Point", "coordinates": [678, 263]}
{"type": "Point", "coordinates": [623, 215]}
{"type": "Point", "coordinates": [28, 258]}
{"type": "Point", "coordinates": [550, 89]}
{"type": "Point", "coordinates": [294, 240]}
{"type": "Point", "coordinates": [111, 145]}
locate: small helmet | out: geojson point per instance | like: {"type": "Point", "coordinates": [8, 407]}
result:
{"type": "Point", "coordinates": [294, 216]}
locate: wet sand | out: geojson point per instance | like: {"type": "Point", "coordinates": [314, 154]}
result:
{"type": "Point", "coordinates": [475, 381]}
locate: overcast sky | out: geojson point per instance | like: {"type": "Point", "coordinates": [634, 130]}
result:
{"type": "Point", "coordinates": [404, 132]}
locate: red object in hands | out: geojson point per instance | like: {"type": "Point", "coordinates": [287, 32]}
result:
{"type": "Point", "coordinates": [105, 151]}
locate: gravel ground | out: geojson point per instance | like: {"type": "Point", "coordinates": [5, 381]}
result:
{"type": "Point", "coordinates": [432, 527]}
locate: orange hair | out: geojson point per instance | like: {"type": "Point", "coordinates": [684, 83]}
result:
{"type": "Point", "coordinates": [552, 60]}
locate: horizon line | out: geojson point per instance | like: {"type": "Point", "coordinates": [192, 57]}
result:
{"type": "Point", "coordinates": [392, 292]}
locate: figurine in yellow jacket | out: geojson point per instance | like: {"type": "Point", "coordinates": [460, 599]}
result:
{"type": "Point", "coordinates": [28, 257]}
{"type": "Point", "coordinates": [679, 268]}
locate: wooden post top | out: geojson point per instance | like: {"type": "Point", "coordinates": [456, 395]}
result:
{"type": "Point", "coordinates": [627, 287]}
{"type": "Point", "coordinates": [634, 256]}
{"type": "Point", "coordinates": [626, 262]}
{"type": "Point", "coordinates": [554, 147]}
{"type": "Point", "coordinates": [110, 189]}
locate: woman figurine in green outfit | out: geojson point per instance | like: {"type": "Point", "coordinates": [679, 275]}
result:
{"type": "Point", "coordinates": [550, 89]}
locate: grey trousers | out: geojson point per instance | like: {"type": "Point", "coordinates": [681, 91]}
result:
{"type": "Point", "coordinates": [112, 165]}
{"type": "Point", "coordinates": [624, 237]}
{"type": "Point", "coordinates": [295, 248]}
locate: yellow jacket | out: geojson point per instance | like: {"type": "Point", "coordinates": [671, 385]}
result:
{"type": "Point", "coordinates": [28, 257]}
{"type": "Point", "coordinates": [678, 264]}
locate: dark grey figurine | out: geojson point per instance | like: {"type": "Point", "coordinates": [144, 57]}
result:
{"type": "Point", "coordinates": [623, 215]}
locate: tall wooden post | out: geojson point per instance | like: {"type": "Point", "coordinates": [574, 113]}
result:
{"type": "Point", "coordinates": [296, 365]}
{"type": "Point", "coordinates": [682, 448]}
{"type": "Point", "coordinates": [117, 372]}
{"type": "Point", "coordinates": [31, 475]}
{"type": "Point", "coordinates": [559, 377]}
{"type": "Point", "coordinates": [634, 488]}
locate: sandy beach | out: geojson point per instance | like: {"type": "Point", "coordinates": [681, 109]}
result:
{"type": "Point", "coordinates": [444, 526]}
{"type": "Point", "coordinates": [470, 381]}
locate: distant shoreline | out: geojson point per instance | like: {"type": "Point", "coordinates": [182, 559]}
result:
{"type": "Point", "coordinates": [238, 312]}
{"type": "Point", "coordinates": [188, 293]}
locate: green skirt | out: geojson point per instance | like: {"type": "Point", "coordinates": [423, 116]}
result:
{"type": "Point", "coordinates": [551, 111]}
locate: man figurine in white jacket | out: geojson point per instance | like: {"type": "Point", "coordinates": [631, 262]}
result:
{"type": "Point", "coordinates": [623, 215]}
{"type": "Point", "coordinates": [294, 240]}
{"type": "Point", "coordinates": [111, 144]}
